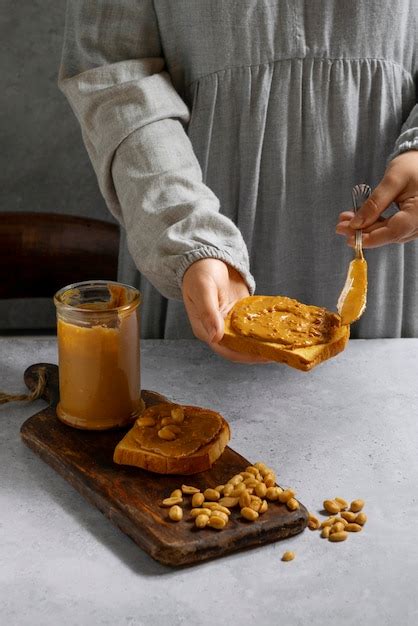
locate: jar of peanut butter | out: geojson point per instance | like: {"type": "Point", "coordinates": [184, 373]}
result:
{"type": "Point", "coordinates": [98, 353]}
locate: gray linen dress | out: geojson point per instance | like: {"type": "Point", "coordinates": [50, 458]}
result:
{"type": "Point", "coordinates": [235, 129]}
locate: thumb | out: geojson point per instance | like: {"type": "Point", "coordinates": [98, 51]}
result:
{"type": "Point", "coordinates": [207, 310]}
{"type": "Point", "coordinates": [383, 195]}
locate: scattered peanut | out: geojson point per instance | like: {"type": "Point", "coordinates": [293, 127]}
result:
{"type": "Point", "coordinates": [146, 421]}
{"type": "Point", "coordinates": [235, 480]}
{"type": "Point", "coordinates": [349, 516]}
{"type": "Point", "coordinates": [361, 519]}
{"type": "Point", "coordinates": [244, 499]}
{"type": "Point", "coordinates": [263, 508]}
{"type": "Point", "coordinates": [200, 511]}
{"type": "Point", "coordinates": [260, 466]}
{"type": "Point", "coordinates": [285, 495]}
{"type": "Point", "coordinates": [261, 490]}
{"type": "Point", "coordinates": [343, 503]}
{"type": "Point", "coordinates": [202, 520]}
{"type": "Point", "coordinates": [228, 489]}
{"type": "Point", "coordinates": [329, 522]}
{"type": "Point", "coordinates": [177, 493]}
{"type": "Point", "coordinates": [239, 489]}
{"type": "Point", "coordinates": [220, 488]}
{"type": "Point", "coordinates": [187, 489]}
{"type": "Point", "coordinates": [211, 494]}
{"type": "Point", "coordinates": [221, 514]}
{"type": "Point", "coordinates": [166, 421]}
{"type": "Point", "coordinates": [249, 513]}
{"type": "Point", "coordinates": [270, 480]}
{"type": "Point", "coordinates": [313, 522]}
{"type": "Point", "coordinates": [216, 522]}
{"type": "Point", "coordinates": [353, 528]}
{"type": "Point", "coordinates": [175, 513]}
{"type": "Point", "coordinates": [288, 556]}
{"type": "Point", "coordinates": [255, 505]}
{"type": "Point", "coordinates": [166, 434]}
{"type": "Point", "coordinates": [331, 506]}
{"type": "Point", "coordinates": [216, 505]}
{"type": "Point", "coordinates": [197, 499]}
{"type": "Point", "coordinates": [171, 501]}
{"type": "Point", "coordinates": [356, 506]}
{"type": "Point", "coordinates": [326, 531]}
{"type": "Point", "coordinates": [273, 493]}
{"type": "Point", "coordinates": [251, 470]}
{"type": "Point", "coordinates": [292, 504]}
{"type": "Point", "coordinates": [340, 536]}
{"type": "Point", "coordinates": [229, 502]}
{"type": "Point", "coordinates": [336, 528]}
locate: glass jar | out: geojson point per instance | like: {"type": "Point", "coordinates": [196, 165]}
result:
{"type": "Point", "coordinates": [98, 354]}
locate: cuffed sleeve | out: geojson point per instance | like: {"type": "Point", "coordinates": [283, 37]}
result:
{"type": "Point", "coordinates": [408, 139]}
{"type": "Point", "coordinates": [133, 125]}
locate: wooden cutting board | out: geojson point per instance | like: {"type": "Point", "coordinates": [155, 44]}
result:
{"type": "Point", "coordinates": [131, 497]}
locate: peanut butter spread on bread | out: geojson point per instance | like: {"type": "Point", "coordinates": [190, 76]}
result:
{"type": "Point", "coordinates": [282, 320]}
{"type": "Point", "coordinates": [197, 428]}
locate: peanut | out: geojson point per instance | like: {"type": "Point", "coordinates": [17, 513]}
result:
{"type": "Point", "coordinates": [269, 480]}
{"type": "Point", "coordinates": [353, 528]}
{"type": "Point", "coordinates": [166, 434]}
{"type": "Point", "coordinates": [285, 495]}
{"type": "Point", "coordinates": [197, 500]}
{"type": "Point", "coordinates": [343, 503]}
{"type": "Point", "coordinates": [329, 522]}
{"type": "Point", "coordinates": [342, 521]}
{"type": "Point", "coordinates": [220, 488]}
{"type": "Point", "coordinates": [202, 520]}
{"type": "Point", "coordinates": [263, 508]}
{"type": "Point", "coordinates": [336, 528]}
{"type": "Point", "coordinates": [177, 414]}
{"type": "Point", "coordinates": [261, 489]}
{"type": "Point", "coordinates": [174, 428]}
{"type": "Point", "coordinates": [200, 511]}
{"type": "Point", "coordinates": [187, 489]}
{"type": "Point", "coordinates": [260, 466]}
{"type": "Point", "coordinates": [292, 504]}
{"type": "Point", "coordinates": [255, 505]}
{"type": "Point", "coordinates": [146, 421]}
{"type": "Point", "coordinates": [175, 513]}
{"type": "Point", "coordinates": [221, 514]}
{"type": "Point", "coordinates": [313, 522]}
{"type": "Point", "coordinates": [228, 489]}
{"type": "Point", "coordinates": [246, 475]}
{"type": "Point", "coordinates": [288, 556]}
{"type": "Point", "coordinates": [356, 506]}
{"type": "Point", "coordinates": [251, 470]}
{"type": "Point", "coordinates": [211, 494]}
{"type": "Point", "coordinates": [340, 536]}
{"type": "Point", "coordinates": [251, 482]}
{"type": "Point", "coordinates": [244, 499]}
{"type": "Point", "coordinates": [216, 522]}
{"type": "Point", "coordinates": [177, 493]}
{"type": "Point", "coordinates": [325, 532]}
{"type": "Point", "coordinates": [166, 421]}
{"type": "Point", "coordinates": [239, 489]}
{"type": "Point", "coordinates": [361, 519]}
{"type": "Point", "coordinates": [249, 513]}
{"type": "Point", "coordinates": [217, 506]}
{"type": "Point", "coordinates": [171, 501]}
{"type": "Point", "coordinates": [331, 506]}
{"type": "Point", "coordinates": [349, 516]}
{"type": "Point", "coordinates": [235, 480]}
{"type": "Point", "coordinates": [273, 493]}
{"type": "Point", "coordinates": [229, 502]}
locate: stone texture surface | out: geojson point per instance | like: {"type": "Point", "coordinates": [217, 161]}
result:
{"type": "Point", "coordinates": [348, 428]}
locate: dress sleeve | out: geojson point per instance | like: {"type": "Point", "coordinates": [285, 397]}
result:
{"type": "Point", "coordinates": [133, 125]}
{"type": "Point", "coordinates": [408, 139]}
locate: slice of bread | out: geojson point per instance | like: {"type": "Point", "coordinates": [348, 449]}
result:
{"type": "Point", "coordinates": [300, 357]}
{"type": "Point", "coordinates": [130, 452]}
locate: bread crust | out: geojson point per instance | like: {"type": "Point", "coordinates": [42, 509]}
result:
{"type": "Point", "coordinates": [129, 453]}
{"type": "Point", "coordinates": [300, 358]}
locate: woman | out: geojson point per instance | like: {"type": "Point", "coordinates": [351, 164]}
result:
{"type": "Point", "coordinates": [226, 137]}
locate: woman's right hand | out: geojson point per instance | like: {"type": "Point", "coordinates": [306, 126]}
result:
{"type": "Point", "coordinates": [210, 289]}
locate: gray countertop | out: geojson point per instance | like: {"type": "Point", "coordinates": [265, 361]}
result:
{"type": "Point", "coordinates": [349, 428]}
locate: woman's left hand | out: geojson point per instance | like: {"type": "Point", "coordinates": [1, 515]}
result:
{"type": "Point", "coordinates": [400, 185]}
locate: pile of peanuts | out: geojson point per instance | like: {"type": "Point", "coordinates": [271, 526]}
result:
{"type": "Point", "coordinates": [351, 519]}
{"type": "Point", "coordinates": [250, 490]}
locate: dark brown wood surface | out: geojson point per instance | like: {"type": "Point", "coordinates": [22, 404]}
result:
{"type": "Point", "coordinates": [42, 252]}
{"type": "Point", "coordinates": [131, 497]}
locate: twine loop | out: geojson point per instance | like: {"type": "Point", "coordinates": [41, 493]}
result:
{"type": "Point", "coordinates": [29, 397]}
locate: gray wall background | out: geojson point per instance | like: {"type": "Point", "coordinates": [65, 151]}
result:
{"type": "Point", "coordinates": [43, 164]}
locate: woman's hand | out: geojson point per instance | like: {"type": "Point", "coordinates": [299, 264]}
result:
{"type": "Point", "coordinates": [210, 289]}
{"type": "Point", "coordinates": [400, 185]}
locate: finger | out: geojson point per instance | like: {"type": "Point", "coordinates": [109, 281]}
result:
{"type": "Point", "coordinates": [383, 195]}
{"type": "Point", "coordinates": [203, 309]}
{"type": "Point", "coordinates": [344, 228]}
{"type": "Point", "coordinates": [237, 357]}
{"type": "Point", "coordinates": [345, 215]}
{"type": "Point", "coordinates": [397, 229]}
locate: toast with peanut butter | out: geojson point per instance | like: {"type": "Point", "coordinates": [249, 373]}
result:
{"type": "Point", "coordinates": [174, 439]}
{"type": "Point", "coordinates": [284, 330]}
